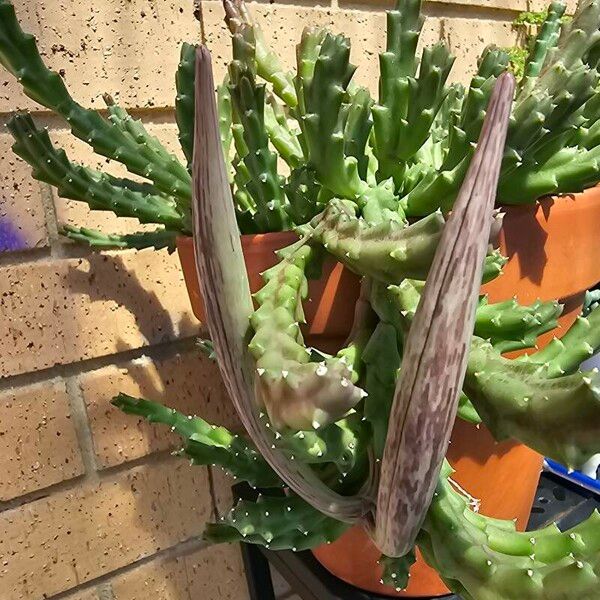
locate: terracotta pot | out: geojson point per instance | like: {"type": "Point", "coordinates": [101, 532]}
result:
{"type": "Point", "coordinates": [549, 248]}
{"type": "Point", "coordinates": [330, 308]}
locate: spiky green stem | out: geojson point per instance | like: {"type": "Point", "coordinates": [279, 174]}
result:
{"type": "Point", "coordinates": [205, 444]}
{"type": "Point", "coordinates": [557, 416]}
{"type": "Point", "coordinates": [158, 239]}
{"type": "Point", "coordinates": [297, 392]}
{"type": "Point", "coordinates": [486, 559]}
{"type": "Point", "coordinates": [20, 56]}
{"type": "Point", "coordinates": [98, 190]}
{"type": "Point", "coordinates": [264, 184]}
{"type": "Point", "coordinates": [324, 85]}
{"type": "Point", "coordinates": [278, 523]}
{"type": "Point", "coordinates": [581, 341]}
{"type": "Point", "coordinates": [184, 101]}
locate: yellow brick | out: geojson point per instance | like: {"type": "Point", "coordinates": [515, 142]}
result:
{"type": "Point", "coordinates": [22, 221]}
{"type": "Point", "coordinates": [442, 5]}
{"type": "Point", "coordinates": [128, 48]}
{"type": "Point", "coordinates": [283, 25]}
{"type": "Point", "coordinates": [189, 382]}
{"type": "Point", "coordinates": [543, 5]}
{"type": "Point", "coordinates": [467, 38]}
{"type": "Point", "coordinates": [214, 573]}
{"type": "Point", "coordinates": [57, 312]}
{"type": "Point", "coordinates": [77, 213]}
{"type": "Point", "coordinates": [38, 443]}
{"type": "Point", "coordinates": [90, 594]}
{"type": "Point", "coordinates": [56, 543]}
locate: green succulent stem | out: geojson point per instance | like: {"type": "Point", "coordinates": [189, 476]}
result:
{"type": "Point", "coordinates": [158, 239]}
{"type": "Point", "coordinates": [98, 190]}
{"type": "Point", "coordinates": [20, 56]}
{"type": "Point", "coordinates": [486, 559]}
{"type": "Point", "coordinates": [205, 444]}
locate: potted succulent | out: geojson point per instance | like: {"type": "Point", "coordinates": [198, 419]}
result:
{"type": "Point", "coordinates": [353, 439]}
{"type": "Point", "coordinates": [366, 176]}
{"type": "Point", "coordinates": [418, 135]}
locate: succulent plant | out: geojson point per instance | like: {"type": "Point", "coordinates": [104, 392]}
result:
{"type": "Point", "coordinates": [296, 141]}
{"type": "Point", "coordinates": [360, 436]}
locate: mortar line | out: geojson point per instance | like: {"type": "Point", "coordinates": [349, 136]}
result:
{"type": "Point", "coordinates": [182, 549]}
{"type": "Point", "coordinates": [74, 483]}
{"type": "Point", "coordinates": [162, 350]}
{"type": "Point", "coordinates": [152, 115]}
{"type": "Point", "coordinates": [24, 257]}
{"type": "Point", "coordinates": [104, 591]}
{"type": "Point", "coordinates": [51, 219]}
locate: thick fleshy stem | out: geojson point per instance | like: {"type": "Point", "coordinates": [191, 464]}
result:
{"type": "Point", "coordinates": [486, 559]}
{"type": "Point", "coordinates": [324, 85]}
{"type": "Point", "coordinates": [296, 392]}
{"type": "Point", "coordinates": [388, 251]}
{"type": "Point", "coordinates": [205, 444]}
{"type": "Point", "coordinates": [282, 137]}
{"type": "Point", "coordinates": [556, 416]}
{"type": "Point", "coordinates": [158, 239]}
{"type": "Point", "coordinates": [276, 522]}
{"type": "Point", "coordinates": [264, 184]}
{"type": "Point", "coordinates": [438, 188]}
{"type": "Point", "coordinates": [546, 39]}
{"type": "Point", "coordinates": [98, 190]}
{"type": "Point", "coordinates": [581, 341]}
{"type": "Point", "coordinates": [510, 326]}
{"type": "Point", "coordinates": [397, 64]}
{"type": "Point", "coordinates": [268, 65]}
{"type": "Point", "coordinates": [396, 570]}
{"type": "Point", "coordinates": [226, 125]}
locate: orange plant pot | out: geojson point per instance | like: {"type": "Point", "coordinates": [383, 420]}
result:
{"type": "Point", "coordinates": [331, 299]}
{"type": "Point", "coordinates": [549, 246]}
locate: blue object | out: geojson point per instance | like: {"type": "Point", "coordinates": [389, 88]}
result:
{"type": "Point", "coordinates": [575, 477]}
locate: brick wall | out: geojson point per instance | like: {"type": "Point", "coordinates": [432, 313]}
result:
{"type": "Point", "coordinates": [92, 505]}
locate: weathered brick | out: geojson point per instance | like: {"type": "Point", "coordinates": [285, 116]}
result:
{"type": "Point", "coordinates": [467, 38]}
{"type": "Point", "coordinates": [38, 443]}
{"type": "Point", "coordinates": [214, 573]}
{"type": "Point", "coordinates": [22, 221]}
{"type": "Point", "coordinates": [129, 48]}
{"type": "Point", "coordinates": [543, 5]}
{"type": "Point", "coordinates": [189, 382]}
{"type": "Point", "coordinates": [90, 594]}
{"type": "Point", "coordinates": [61, 311]}
{"type": "Point", "coordinates": [77, 213]}
{"type": "Point", "coordinates": [58, 542]}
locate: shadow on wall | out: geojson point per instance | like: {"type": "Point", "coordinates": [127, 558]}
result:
{"type": "Point", "coordinates": [152, 319]}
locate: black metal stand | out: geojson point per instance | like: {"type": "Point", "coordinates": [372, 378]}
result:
{"type": "Point", "coordinates": [556, 500]}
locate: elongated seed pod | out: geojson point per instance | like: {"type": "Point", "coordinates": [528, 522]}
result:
{"type": "Point", "coordinates": [224, 286]}
{"type": "Point", "coordinates": [437, 345]}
